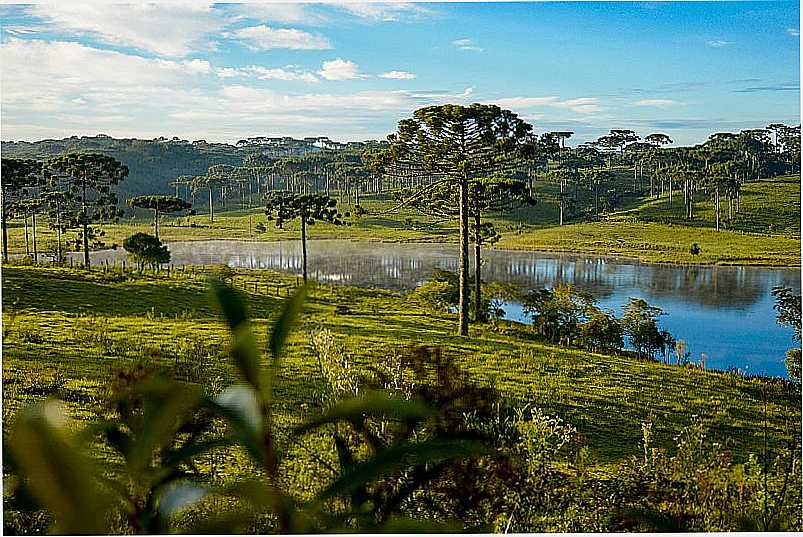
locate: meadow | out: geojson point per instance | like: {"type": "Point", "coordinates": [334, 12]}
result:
{"type": "Point", "coordinates": [765, 232]}
{"type": "Point", "coordinates": [75, 330]}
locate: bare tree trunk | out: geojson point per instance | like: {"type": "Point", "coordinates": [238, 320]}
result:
{"type": "Point", "coordinates": [35, 251]}
{"type": "Point", "coordinates": [156, 222]}
{"type": "Point", "coordinates": [59, 253]}
{"type": "Point", "coordinates": [85, 226]}
{"type": "Point", "coordinates": [5, 229]}
{"type": "Point", "coordinates": [304, 247]}
{"type": "Point", "coordinates": [717, 200]}
{"type": "Point", "coordinates": [211, 208]}
{"type": "Point", "coordinates": [478, 313]}
{"type": "Point", "coordinates": [464, 239]}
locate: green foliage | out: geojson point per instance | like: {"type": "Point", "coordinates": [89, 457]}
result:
{"type": "Point", "coordinates": [558, 313]}
{"type": "Point", "coordinates": [640, 324]}
{"type": "Point", "coordinates": [160, 426]}
{"type": "Point", "coordinates": [283, 206]}
{"type": "Point", "coordinates": [144, 249]}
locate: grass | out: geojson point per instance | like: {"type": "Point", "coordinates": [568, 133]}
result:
{"type": "Point", "coordinates": [68, 332]}
{"type": "Point", "coordinates": [765, 232]}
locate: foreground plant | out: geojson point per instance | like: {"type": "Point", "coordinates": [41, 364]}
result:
{"type": "Point", "coordinates": [161, 427]}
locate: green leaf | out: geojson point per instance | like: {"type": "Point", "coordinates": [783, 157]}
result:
{"type": "Point", "coordinates": [375, 404]}
{"type": "Point", "coordinates": [166, 404]}
{"type": "Point", "coordinates": [244, 347]}
{"type": "Point", "coordinates": [400, 456]}
{"type": "Point", "coordinates": [60, 477]}
{"type": "Point", "coordinates": [283, 325]}
{"type": "Point", "coordinates": [230, 302]}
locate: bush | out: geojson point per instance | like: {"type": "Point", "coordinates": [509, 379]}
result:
{"type": "Point", "coordinates": [144, 249]}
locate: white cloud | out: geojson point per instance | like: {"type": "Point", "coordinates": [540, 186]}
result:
{"type": "Point", "coordinates": [398, 75]}
{"type": "Point", "coordinates": [794, 32]}
{"type": "Point", "coordinates": [84, 90]}
{"type": "Point", "coordinates": [264, 37]}
{"type": "Point", "coordinates": [288, 73]}
{"type": "Point", "coordinates": [285, 12]}
{"type": "Point", "coordinates": [340, 69]}
{"type": "Point", "coordinates": [382, 11]}
{"type": "Point", "coordinates": [582, 105]}
{"type": "Point", "coordinates": [168, 29]}
{"type": "Point", "coordinates": [466, 44]}
{"type": "Point", "coordinates": [661, 103]}
{"type": "Point", "coordinates": [718, 43]}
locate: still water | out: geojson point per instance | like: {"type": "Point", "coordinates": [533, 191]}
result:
{"type": "Point", "coordinates": [725, 312]}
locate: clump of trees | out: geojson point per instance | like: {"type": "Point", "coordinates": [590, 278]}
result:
{"type": "Point", "coordinates": [146, 250]}
{"type": "Point", "coordinates": [569, 316]}
{"type": "Point", "coordinates": [788, 307]}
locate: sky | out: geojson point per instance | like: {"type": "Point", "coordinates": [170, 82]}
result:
{"type": "Point", "coordinates": [351, 71]}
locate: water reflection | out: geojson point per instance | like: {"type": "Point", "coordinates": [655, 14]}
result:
{"type": "Point", "coordinates": [725, 312]}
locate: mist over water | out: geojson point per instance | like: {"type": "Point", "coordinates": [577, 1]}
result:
{"type": "Point", "coordinates": [725, 312]}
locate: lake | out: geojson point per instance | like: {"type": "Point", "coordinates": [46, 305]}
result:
{"type": "Point", "coordinates": [725, 312]}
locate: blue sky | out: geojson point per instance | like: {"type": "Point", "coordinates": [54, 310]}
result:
{"type": "Point", "coordinates": [351, 71]}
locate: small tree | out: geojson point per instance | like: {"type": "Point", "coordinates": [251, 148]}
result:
{"type": "Point", "coordinates": [285, 206]}
{"type": "Point", "coordinates": [144, 249]}
{"type": "Point", "coordinates": [788, 306]}
{"type": "Point", "coordinates": [602, 331]}
{"type": "Point", "coordinates": [640, 323]}
{"type": "Point", "coordinates": [159, 204]}
{"type": "Point", "coordinates": [558, 313]}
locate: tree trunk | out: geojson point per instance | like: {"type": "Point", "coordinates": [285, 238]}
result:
{"type": "Point", "coordinates": [35, 251]}
{"type": "Point", "coordinates": [561, 202]}
{"type": "Point", "coordinates": [59, 253]}
{"type": "Point", "coordinates": [27, 246]}
{"type": "Point", "coordinates": [211, 207]}
{"type": "Point", "coordinates": [464, 239]}
{"type": "Point", "coordinates": [156, 223]}
{"type": "Point", "coordinates": [304, 247]}
{"type": "Point", "coordinates": [85, 224]}
{"type": "Point", "coordinates": [478, 313]}
{"type": "Point", "coordinates": [717, 200]}
{"type": "Point", "coordinates": [5, 229]}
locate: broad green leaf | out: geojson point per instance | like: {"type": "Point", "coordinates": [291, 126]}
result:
{"type": "Point", "coordinates": [60, 477]}
{"type": "Point", "coordinates": [283, 325]}
{"type": "Point", "coordinates": [166, 404]}
{"type": "Point", "coordinates": [230, 302]}
{"type": "Point", "coordinates": [244, 347]}
{"type": "Point", "coordinates": [375, 404]}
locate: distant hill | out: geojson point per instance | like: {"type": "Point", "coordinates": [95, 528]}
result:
{"type": "Point", "coordinates": [153, 164]}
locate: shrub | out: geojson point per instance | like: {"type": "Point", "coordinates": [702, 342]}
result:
{"type": "Point", "coordinates": [144, 249]}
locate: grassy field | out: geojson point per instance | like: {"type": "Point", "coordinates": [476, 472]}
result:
{"type": "Point", "coordinates": [67, 333]}
{"type": "Point", "coordinates": [766, 231]}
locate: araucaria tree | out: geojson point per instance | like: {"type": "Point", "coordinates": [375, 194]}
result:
{"type": "Point", "coordinates": [285, 206]}
{"type": "Point", "coordinates": [159, 205]}
{"type": "Point", "coordinates": [455, 144]}
{"type": "Point", "coordinates": [18, 176]}
{"type": "Point", "coordinates": [88, 177]}
{"type": "Point", "coordinates": [486, 194]}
